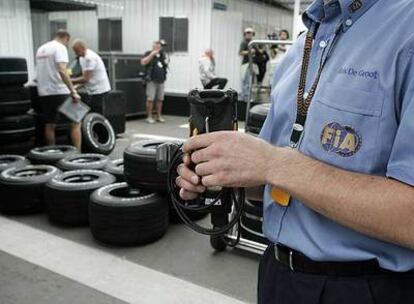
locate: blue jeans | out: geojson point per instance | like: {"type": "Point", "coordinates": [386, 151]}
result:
{"type": "Point", "coordinates": [245, 83]}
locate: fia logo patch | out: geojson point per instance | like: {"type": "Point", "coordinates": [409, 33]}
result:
{"type": "Point", "coordinates": [342, 140]}
{"type": "Point", "coordinates": [355, 5]}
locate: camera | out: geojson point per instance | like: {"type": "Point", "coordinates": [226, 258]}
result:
{"type": "Point", "coordinates": [210, 111]}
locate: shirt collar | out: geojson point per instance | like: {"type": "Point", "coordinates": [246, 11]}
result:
{"type": "Point", "coordinates": [350, 10]}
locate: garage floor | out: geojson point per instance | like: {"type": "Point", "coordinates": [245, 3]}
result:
{"type": "Point", "coordinates": [41, 263]}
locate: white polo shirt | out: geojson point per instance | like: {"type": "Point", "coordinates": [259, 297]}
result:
{"type": "Point", "coordinates": [99, 81]}
{"type": "Point", "coordinates": [48, 78]}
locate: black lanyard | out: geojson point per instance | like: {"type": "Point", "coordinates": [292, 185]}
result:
{"type": "Point", "coordinates": [303, 103]}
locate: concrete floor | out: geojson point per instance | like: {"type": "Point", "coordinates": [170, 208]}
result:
{"type": "Point", "coordinates": [181, 253]}
{"type": "Point", "coordinates": [24, 283]}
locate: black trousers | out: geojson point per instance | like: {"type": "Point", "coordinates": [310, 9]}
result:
{"type": "Point", "coordinates": [219, 82]}
{"type": "Point", "coordinates": [279, 285]}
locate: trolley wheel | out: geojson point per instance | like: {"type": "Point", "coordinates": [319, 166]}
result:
{"type": "Point", "coordinates": [218, 242]}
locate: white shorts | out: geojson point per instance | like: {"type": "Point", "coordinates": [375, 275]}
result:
{"type": "Point", "coordinates": [155, 91]}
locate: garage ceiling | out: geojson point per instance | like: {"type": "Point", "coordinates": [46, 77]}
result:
{"type": "Point", "coordinates": [75, 5]}
{"type": "Point", "coordinates": [290, 3]}
{"type": "Point", "coordinates": [61, 5]}
{"type": "Point", "coordinates": [287, 4]}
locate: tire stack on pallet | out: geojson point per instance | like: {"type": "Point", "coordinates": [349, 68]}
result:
{"type": "Point", "coordinates": [257, 117]}
{"type": "Point", "coordinates": [17, 128]}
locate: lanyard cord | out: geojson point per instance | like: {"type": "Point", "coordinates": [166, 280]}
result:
{"type": "Point", "coordinates": [303, 103]}
{"type": "Point", "coordinates": [280, 196]}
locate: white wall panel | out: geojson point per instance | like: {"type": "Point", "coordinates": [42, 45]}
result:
{"type": "Point", "coordinates": [40, 28]}
{"type": "Point", "coordinates": [140, 27]}
{"type": "Point", "coordinates": [80, 24]}
{"type": "Point", "coordinates": [112, 8]}
{"type": "Point", "coordinates": [226, 45]}
{"type": "Point", "coordinates": [264, 18]}
{"type": "Point", "coordinates": [16, 31]}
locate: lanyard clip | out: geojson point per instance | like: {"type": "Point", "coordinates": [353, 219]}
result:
{"type": "Point", "coordinates": [297, 134]}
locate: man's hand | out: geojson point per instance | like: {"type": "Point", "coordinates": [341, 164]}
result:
{"type": "Point", "coordinates": [225, 158]}
{"type": "Point", "coordinates": [188, 181]}
{"type": "Point", "coordinates": [75, 96]}
{"type": "Point", "coordinates": [147, 59]}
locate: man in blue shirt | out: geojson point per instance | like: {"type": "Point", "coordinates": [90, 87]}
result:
{"type": "Point", "coordinates": [339, 169]}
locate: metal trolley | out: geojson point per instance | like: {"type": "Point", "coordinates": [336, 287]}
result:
{"type": "Point", "coordinates": [244, 243]}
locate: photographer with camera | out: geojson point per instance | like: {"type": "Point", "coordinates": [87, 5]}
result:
{"type": "Point", "coordinates": [156, 62]}
{"type": "Point", "coordinates": [338, 191]}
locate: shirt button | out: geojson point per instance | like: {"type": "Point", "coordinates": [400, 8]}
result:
{"type": "Point", "coordinates": [348, 22]}
{"type": "Point", "coordinates": [322, 44]}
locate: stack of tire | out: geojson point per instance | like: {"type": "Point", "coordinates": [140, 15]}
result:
{"type": "Point", "coordinates": [141, 172]}
{"type": "Point", "coordinates": [251, 222]}
{"type": "Point", "coordinates": [22, 185]}
{"type": "Point", "coordinates": [67, 195]}
{"type": "Point", "coordinates": [133, 212]}
{"type": "Point", "coordinates": [90, 190]}
{"type": "Point", "coordinates": [257, 117]}
{"type": "Point", "coordinates": [17, 128]}
{"type": "Point", "coordinates": [31, 188]}
{"type": "Point", "coordinates": [74, 190]}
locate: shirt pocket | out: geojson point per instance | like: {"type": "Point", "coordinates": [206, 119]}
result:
{"type": "Point", "coordinates": [342, 128]}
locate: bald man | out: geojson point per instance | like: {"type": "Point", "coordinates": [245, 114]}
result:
{"type": "Point", "coordinates": [94, 75]}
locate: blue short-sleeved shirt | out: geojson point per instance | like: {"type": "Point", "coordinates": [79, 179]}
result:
{"type": "Point", "coordinates": [361, 119]}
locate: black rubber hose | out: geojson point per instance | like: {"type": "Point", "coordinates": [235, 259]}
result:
{"type": "Point", "coordinates": [181, 205]}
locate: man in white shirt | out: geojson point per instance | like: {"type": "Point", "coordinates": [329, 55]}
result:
{"type": "Point", "coordinates": [54, 85]}
{"type": "Point", "coordinates": [94, 75]}
{"type": "Point", "coordinates": [207, 67]}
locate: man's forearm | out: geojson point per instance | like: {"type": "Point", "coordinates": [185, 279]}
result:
{"type": "Point", "coordinates": [373, 205]}
{"type": "Point", "coordinates": [66, 80]}
{"type": "Point", "coordinates": [147, 59]}
{"type": "Point", "coordinates": [78, 80]}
